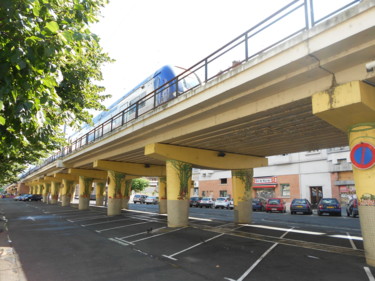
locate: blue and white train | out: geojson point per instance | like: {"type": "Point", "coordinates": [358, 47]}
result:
{"type": "Point", "coordinates": [134, 102]}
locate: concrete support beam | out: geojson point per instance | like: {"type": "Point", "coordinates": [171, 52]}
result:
{"type": "Point", "coordinates": [204, 158]}
{"type": "Point", "coordinates": [351, 108]}
{"type": "Point", "coordinates": [95, 174]}
{"type": "Point", "coordinates": [131, 168]}
{"type": "Point", "coordinates": [346, 105]}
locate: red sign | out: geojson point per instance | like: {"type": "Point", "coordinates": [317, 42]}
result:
{"type": "Point", "coordinates": [363, 155]}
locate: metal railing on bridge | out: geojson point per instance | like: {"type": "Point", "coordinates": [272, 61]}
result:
{"type": "Point", "coordinates": [289, 21]}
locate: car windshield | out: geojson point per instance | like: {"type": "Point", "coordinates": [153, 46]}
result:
{"type": "Point", "coordinates": [221, 199]}
{"type": "Point", "coordinates": [274, 201]}
{"type": "Point", "coordinates": [206, 198]}
{"type": "Point", "coordinates": [299, 201]}
{"type": "Point", "coordinates": [329, 201]}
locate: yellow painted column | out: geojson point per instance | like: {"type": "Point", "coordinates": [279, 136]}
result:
{"type": "Point", "coordinates": [46, 190]}
{"type": "Point", "coordinates": [241, 186]}
{"type": "Point", "coordinates": [55, 188]}
{"type": "Point", "coordinates": [40, 189]}
{"type": "Point", "coordinates": [100, 186]}
{"type": "Point", "coordinates": [178, 183]}
{"type": "Point", "coordinates": [162, 182]}
{"type": "Point", "coordinates": [85, 185]}
{"type": "Point", "coordinates": [365, 187]}
{"type": "Point", "coordinates": [127, 191]}
{"type": "Point", "coordinates": [116, 183]}
{"type": "Point", "coordinates": [67, 188]}
{"type": "Point", "coordinates": [351, 108]}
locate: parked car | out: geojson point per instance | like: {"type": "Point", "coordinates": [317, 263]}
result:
{"type": "Point", "coordinates": [275, 205]}
{"type": "Point", "coordinates": [352, 208]}
{"type": "Point", "coordinates": [222, 202]}
{"type": "Point", "coordinates": [138, 198]}
{"type": "Point", "coordinates": [231, 204]}
{"type": "Point", "coordinates": [300, 206]}
{"type": "Point", "coordinates": [92, 196]}
{"type": "Point", "coordinates": [207, 202]}
{"type": "Point", "coordinates": [259, 204]}
{"type": "Point", "coordinates": [152, 200]}
{"type": "Point", "coordinates": [194, 201]}
{"type": "Point", "coordinates": [25, 197]}
{"type": "Point", "coordinates": [329, 206]}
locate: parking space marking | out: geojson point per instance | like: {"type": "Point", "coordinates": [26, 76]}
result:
{"type": "Point", "coordinates": [121, 226]}
{"type": "Point", "coordinates": [165, 215]}
{"type": "Point", "coordinates": [369, 274]}
{"type": "Point", "coordinates": [251, 268]}
{"type": "Point", "coordinates": [191, 247]}
{"type": "Point", "coordinates": [86, 218]}
{"type": "Point", "coordinates": [144, 232]}
{"type": "Point", "coordinates": [103, 222]}
{"type": "Point", "coordinates": [152, 236]}
{"type": "Point", "coordinates": [351, 241]}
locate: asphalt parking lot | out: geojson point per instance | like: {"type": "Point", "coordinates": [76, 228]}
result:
{"type": "Point", "coordinates": [63, 243]}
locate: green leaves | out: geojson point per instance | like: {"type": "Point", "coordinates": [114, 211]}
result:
{"type": "Point", "coordinates": [48, 60]}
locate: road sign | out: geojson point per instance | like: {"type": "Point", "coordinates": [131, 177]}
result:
{"type": "Point", "coordinates": [363, 155]}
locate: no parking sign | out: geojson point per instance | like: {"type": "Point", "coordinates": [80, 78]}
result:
{"type": "Point", "coordinates": [363, 155]}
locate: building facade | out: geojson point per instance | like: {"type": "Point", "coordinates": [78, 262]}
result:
{"type": "Point", "coordinates": [311, 175]}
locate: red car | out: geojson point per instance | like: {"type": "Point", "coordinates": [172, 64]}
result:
{"type": "Point", "coordinates": [275, 205]}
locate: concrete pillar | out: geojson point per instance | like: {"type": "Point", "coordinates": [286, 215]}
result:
{"type": "Point", "coordinates": [241, 186]}
{"type": "Point", "coordinates": [364, 183]}
{"type": "Point", "coordinates": [85, 185]}
{"type": "Point", "coordinates": [162, 195]}
{"type": "Point", "coordinates": [178, 182]}
{"type": "Point", "coordinates": [100, 186]}
{"type": "Point", "coordinates": [351, 108]}
{"type": "Point", "coordinates": [55, 188]}
{"type": "Point", "coordinates": [127, 190]}
{"type": "Point", "coordinates": [45, 192]}
{"type": "Point", "coordinates": [116, 183]}
{"type": "Point", "coordinates": [67, 189]}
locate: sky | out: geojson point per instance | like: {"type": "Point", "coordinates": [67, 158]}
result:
{"type": "Point", "coordinates": [143, 35]}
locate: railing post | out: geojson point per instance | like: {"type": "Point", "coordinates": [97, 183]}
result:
{"type": "Point", "coordinates": [205, 70]}
{"type": "Point", "coordinates": [312, 13]}
{"type": "Point", "coordinates": [246, 46]}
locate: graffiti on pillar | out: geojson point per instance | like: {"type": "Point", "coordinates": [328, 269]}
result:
{"type": "Point", "coordinates": [87, 187]}
{"type": "Point", "coordinates": [367, 199]}
{"type": "Point", "coordinates": [184, 172]}
{"type": "Point", "coordinates": [128, 186]}
{"type": "Point", "coordinates": [246, 176]}
{"type": "Point", "coordinates": [119, 179]}
{"type": "Point", "coordinates": [100, 186]}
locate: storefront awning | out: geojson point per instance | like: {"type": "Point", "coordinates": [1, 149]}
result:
{"type": "Point", "coordinates": [265, 186]}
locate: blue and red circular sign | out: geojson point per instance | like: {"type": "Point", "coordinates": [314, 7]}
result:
{"type": "Point", "coordinates": [363, 155]}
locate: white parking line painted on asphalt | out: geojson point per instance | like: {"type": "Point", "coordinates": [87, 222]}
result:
{"type": "Point", "coordinates": [152, 236]}
{"type": "Point", "coordinates": [284, 229]}
{"type": "Point", "coordinates": [140, 233]}
{"type": "Point", "coordinates": [122, 226]}
{"type": "Point", "coordinates": [191, 247]}
{"type": "Point", "coordinates": [118, 241]}
{"type": "Point", "coordinates": [103, 222]}
{"type": "Point", "coordinates": [87, 218]}
{"type": "Point", "coordinates": [151, 213]}
{"type": "Point", "coordinates": [369, 274]}
{"type": "Point", "coordinates": [251, 268]}
{"type": "Point", "coordinates": [348, 236]}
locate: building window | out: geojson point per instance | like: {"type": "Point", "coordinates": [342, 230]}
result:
{"type": "Point", "coordinates": [223, 181]}
{"type": "Point", "coordinates": [203, 193]}
{"type": "Point", "coordinates": [285, 190]}
{"type": "Point", "coordinates": [223, 193]}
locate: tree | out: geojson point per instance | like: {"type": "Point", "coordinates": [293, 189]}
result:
{"type": "Point", "coordinates": [49, 66]}
{"type": "Point", "coordinates": [139, 184]}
